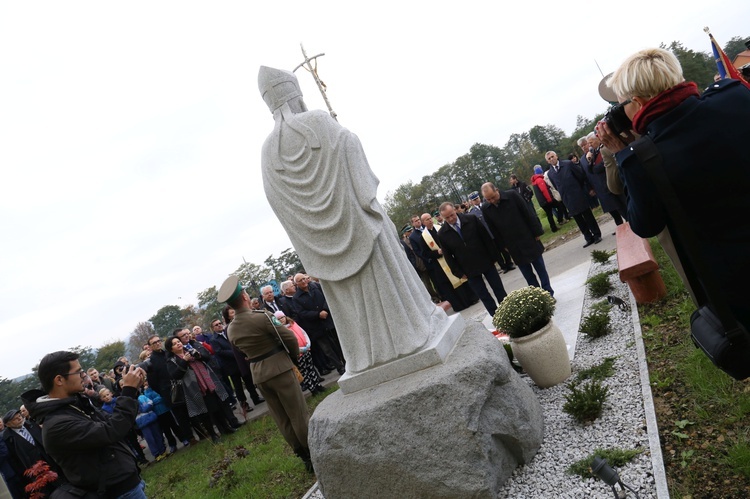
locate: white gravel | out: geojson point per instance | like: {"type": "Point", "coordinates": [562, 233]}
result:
{"type": "Point", "coordinates": [622, 424]}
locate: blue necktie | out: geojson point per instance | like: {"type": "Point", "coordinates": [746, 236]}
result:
{"type": "Point", "coordinates": [25, 434]}
{"type": "Point", "coordinates": [458, 229]}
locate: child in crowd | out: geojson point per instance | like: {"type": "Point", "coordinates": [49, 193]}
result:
{"type": "Point", "coordinates": [108, 405]}
{"type": "Point", "coordinates": [146, 421]}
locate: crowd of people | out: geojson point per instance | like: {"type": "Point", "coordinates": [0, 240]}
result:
{"type": "Point", "coordinates": [455, 248]}
{"type": "Point", "coordinates": [84, 427]}
{"type": "Point", "coordinates": [187, 388]}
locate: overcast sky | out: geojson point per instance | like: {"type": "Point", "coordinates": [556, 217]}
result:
{"type": "Point", "coordinates": [130, 133]}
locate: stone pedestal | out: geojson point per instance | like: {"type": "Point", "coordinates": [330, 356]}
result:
{"type": "Point", "coordinates": [453, 430]}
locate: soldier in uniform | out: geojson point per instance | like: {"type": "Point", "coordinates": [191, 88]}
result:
{"type": "Point", "coordinates": [270, 348]}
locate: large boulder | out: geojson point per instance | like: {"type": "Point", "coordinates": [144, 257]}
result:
{"type": "Point", "coordinates": [454, 430]}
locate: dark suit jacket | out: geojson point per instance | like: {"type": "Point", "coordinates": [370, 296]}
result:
{"type": "Point", "coordinates": [307, 306]}
{"type": "Point", "coordinates": [23, 455]}
{"type": "Point", "coordinates": [269, 308]}
{"type": "Point", "coordinates": [519, 228]}
{"type": "Point", "coordinates": [428, 255]}
{"type": "Point", "coordinates": [471, 255]}
{"type": "Point", "coordinates": [573, 186]}
{"type": "Point", "coordinates": [223, 352]}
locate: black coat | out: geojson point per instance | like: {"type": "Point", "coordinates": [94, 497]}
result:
{"type": "Point", "coordinates": [597, 177]}
{"type": "Point", "coordinates": [572, 185]}
{"type": "Point", "coordinates": [512, 219]}
{"type": "Point", "coordinates": [158, 376]}
{"type": "Point", "coordinates": [471, 255]}
{"type": "Point", "coordinates": [687, 138]}
{"type": "Point", "coordinates": [23, 455]}
{"type": "Point", "coordinates": [307, 307]}
{"type": "Point", "coordinates": [88, 443]}
{"type": "Point", "coordinates": [428, 255]}
{"type": "Point", "coordinates": [225, 355]}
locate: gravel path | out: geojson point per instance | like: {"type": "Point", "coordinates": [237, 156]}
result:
{"type": "Point", "coordinates": [621, 425]}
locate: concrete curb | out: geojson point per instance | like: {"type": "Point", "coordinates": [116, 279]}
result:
{"type": "Point", "coordinates": [657, 459]}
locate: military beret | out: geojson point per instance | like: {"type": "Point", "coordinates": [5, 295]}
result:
{"type": "Point", "coordinates": [230, 289]}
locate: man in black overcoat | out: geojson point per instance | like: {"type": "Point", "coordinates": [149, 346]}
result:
{"type": "Point", "coordinates": [506, 213]}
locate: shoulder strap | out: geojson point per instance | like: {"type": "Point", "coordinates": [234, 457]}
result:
{"type": "Point", "coordinates": [701, 278]}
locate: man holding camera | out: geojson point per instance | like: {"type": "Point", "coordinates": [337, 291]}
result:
{"type": "Point", "coordinates": [685, 127]}
{"type": "Point", "coordinates": [87, 443]}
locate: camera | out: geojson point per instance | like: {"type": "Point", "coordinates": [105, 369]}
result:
{"type": "Point", "coordinates": [617, 120]}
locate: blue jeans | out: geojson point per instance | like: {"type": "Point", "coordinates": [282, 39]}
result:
{"type": "Point", "coordinates": [541, 269]}
{"type": "Point", "coordinates": [136, 492]}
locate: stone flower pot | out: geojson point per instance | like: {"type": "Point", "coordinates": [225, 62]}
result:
{"type": "Point", "coordinates": [543, 355]}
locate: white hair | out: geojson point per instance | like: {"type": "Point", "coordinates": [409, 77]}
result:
{"type": "Point", "coordinates": [264, 288]}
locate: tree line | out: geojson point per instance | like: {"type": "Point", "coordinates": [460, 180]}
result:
{"type": "Point", "coordinates": [488, 163]}
{"type": "Point", "coordinates": [163, 322]}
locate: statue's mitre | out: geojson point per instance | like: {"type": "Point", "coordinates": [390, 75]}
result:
{"type": "Point", "coordinates": [277, 86]}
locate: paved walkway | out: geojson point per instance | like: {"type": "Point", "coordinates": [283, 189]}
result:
{"type": "Point", "coordinates": [568, 266]}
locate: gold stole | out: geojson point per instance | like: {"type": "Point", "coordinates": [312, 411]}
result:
{"type": "Point", "coordinates": [455, 281]}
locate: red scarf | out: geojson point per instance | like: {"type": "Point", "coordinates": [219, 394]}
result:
{"type": "Point", "coordinates": [662, 103]}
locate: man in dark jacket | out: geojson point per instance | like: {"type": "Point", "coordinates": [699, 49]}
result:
{"type": "Point", "coordinates": [507, 214]}
{"type": "Point", "coordinates": [86, 442]}
{"type": "Point", "coordinates": [24, 442]}
{"type": "Point", "coordinates": [314, 317]}
{"type": "Point", "coordinates": [470, 252]}
{"type": "Point", "coordinates": [570, 181]}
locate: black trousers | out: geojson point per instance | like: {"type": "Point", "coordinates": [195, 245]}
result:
{"type": "Point", "coordinates": [588, 226]}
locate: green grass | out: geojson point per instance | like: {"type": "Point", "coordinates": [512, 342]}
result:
{"type": "Point", "coordinates": [614, 457]}
{"type": "Point", "coordinates": [710, 458]}
{"type": "Point", "coordinates": [270, 469]}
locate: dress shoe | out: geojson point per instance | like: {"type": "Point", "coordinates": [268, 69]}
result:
{"type": "Point", "coordinates": [321, 379]}
{"type": "Point", "coordinates": [341, 370]}
{"type": "Point", "coordinates": [215, 439]}
{"type": "Point", "coordinates": [588, 243]}
{"type": "Point", "coordinates": [597, 240]}
{"type": "Point", "coordinates": [325, 371]}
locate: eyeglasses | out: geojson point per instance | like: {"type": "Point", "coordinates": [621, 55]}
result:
{"type": "Point", "coordinates": [80, 373]}
{"type": "Point", "coordinates": [217, 324]}
{"type": "Point", "coordinates": [154, 342]}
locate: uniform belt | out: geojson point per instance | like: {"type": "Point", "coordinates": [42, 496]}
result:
{"type": "Point", "coordinates": [274, 351]}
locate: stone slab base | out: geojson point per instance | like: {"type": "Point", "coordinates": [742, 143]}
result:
{"type": "Point", "coordinates": [435, 353]}
{"type": "Point", "coordinates": [454, 430]}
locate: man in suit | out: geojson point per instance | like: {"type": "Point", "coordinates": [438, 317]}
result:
{"type": "Point", "coordinates": [506, 213]}
{"type": "Point", "coordinates": [228, 362]}
{"type": "Point", "coordinates": [417, 262]}
{"type": "Point", "coordinates": [475, 208]}
{"type": "Point", "coordinates": [314, 316]}
{"type": "Point", "coordinates": [287, 297]}
{"type": "Point", "coordinates": [258, 334]}
{"type": "Point", "coordinates": [24, 442]}
{"type": "Point", "coordinates": [470, 252]}
{"type": "Point", "coordinates": [570, 181]}
{"type": "Point", "coordinates": [270, 301]}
